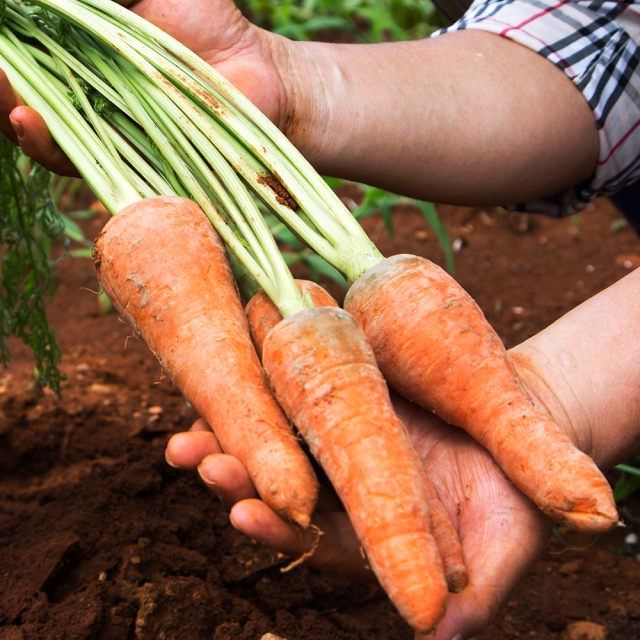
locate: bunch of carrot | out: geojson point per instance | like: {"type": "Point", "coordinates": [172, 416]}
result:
{"type": "Point", "coordinates": [170, 147]}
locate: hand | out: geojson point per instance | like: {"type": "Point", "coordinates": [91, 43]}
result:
{"type": "Point", "coordinates": [25, 127]}
{"type": "Point", "coordinates": [501, 531]}
{"type": "Point", "coordinates": [214, 29]}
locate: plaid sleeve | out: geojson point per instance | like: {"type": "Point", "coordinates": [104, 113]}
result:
{"type": "Point", "coordinates": [596, 45]}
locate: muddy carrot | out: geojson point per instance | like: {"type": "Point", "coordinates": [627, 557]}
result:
{"type": "Point", "coordinates": [447, 540]}
{"type": "Point", "coordinates": [263, 315]}
{"type": "Point", "coordinates": [167, 273]}
{"type": "Point", "coordinates": [324, 375]}
{"type": "Point", "coordinates": [434, 346]}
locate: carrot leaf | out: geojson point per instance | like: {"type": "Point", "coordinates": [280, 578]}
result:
{"type": "Point", "coordinates": [29, 223]}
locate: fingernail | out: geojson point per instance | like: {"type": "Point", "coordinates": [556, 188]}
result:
{"type": "Point", "coordinates": [459, 636]}
{"type": "Point", "coordinates": [210, 483]}
{"type": "Point", "coordinates": [17, 127]}
{"type": "Point", "coordinates": [169, 462]}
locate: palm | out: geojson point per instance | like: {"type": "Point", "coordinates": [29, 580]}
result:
{"type": "Point", "coordinates": [501, 531]}
{"type": "Point", "coordinates": [218, 33]}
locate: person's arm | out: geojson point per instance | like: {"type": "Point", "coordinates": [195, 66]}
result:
{"type": "Point", "coordinates": [585, 369]}
{"type": "Point", "coordinates": [468, 118]}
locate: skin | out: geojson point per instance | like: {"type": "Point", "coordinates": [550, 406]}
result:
{"type": "Point", "coordinates": [501, 531]}
{"type": "Point", "coordinates": [537, 138]}
{"type": "Point", "coordinates": [419, 97]}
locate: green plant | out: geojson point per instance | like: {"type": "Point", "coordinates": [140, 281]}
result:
{"type": "Point", "coordinates": [29, 225]}
{"type": "Point", "coordinates": [380, 201]}
{"type": "Point", "coordinates": [629, 481]}
{"type": "Point", "coordinates": [350, 20]}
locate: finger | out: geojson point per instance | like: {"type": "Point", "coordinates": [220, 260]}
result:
{"type": "Point", "coordinates": [36, 141]}
{"type": "Point", "coordinates": [227, 477]}
{"type": "Point", "coordinates": [201, 425]}
{"type": "Point", "coordinates": [330, 544]}
{"type": "Point", "coordinates": [8, 102]}
{"type": "Point", "coordinates": [187, 450]}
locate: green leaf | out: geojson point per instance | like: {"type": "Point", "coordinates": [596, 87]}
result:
{"type": "Point", "coordinates": [626, 485]}
{"type": "Point", "coordinates": [285, 236]}
{"type": "Point", "coordinates": [82, 214]}
{"type": "Point", "coordinates": [334, 183]}
{"type": "Point", "coordinates": [435, 221]}
{"type": "Point", "coordinates": [73, 231]}
{"type": "Point", "coordinates": [29, 224]}
{"type": "Point", "coordinates": [629, 481]}
{"type": "Point", "coordinates": [81, 253]}
{"type": "Point", "coordinates": [373, 197]}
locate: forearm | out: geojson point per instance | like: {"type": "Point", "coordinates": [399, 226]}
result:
{"type": "Point", "coordinates": [467, 118]}
{"type": "Point", "coordinates": [585, 368]}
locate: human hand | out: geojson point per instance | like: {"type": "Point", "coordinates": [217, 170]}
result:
{"type": "Point", "coordinates": [214, 29]}
{"type": "Point", "coordinates": [501, 531]}
{"type": "Point", "coordinates": [26, 128]}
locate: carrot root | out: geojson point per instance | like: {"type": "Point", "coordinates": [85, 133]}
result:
{"type": "Point", "coordinates": [263, 315]}
{"type": "Point", "coordinates": [325, 377]}
{"type": "Point", "coordinates": [438, 350]}
{"type": "Point", "coordinates": [167, 273]}
{"type": "Point", "coordinates": [447, 541]}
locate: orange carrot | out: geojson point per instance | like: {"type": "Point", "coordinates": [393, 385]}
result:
{"type": "Point", "coordinates": [447, 540]}
{"type": "Point", "coordinates": [437, 349]}
{"type": "Point", "coordinates": [325, 376]}
{"type": "Point", "coordinates": [167, 272]}
{"type": "Point", "coordinates": [263, 315]}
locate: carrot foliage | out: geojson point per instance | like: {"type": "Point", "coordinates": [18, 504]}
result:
{"type": "Point", "coordinates": [28, 216]}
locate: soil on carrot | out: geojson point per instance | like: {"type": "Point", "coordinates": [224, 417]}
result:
{"type": "Point", "coordinates": [102, 540]}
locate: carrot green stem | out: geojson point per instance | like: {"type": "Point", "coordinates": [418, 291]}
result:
{"type": "Point", "coordinates": [184, 143]}
{"type": "Point", "coordinates": [154, 53]}
{"type": "Point", "coordinates": [70, 130]}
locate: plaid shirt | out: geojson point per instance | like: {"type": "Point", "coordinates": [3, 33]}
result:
{"type": "Point", "coordinates": [597, 45]}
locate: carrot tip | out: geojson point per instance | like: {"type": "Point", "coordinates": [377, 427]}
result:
{"type": "Point", "coordinates": [584, 521]}
{"type": "Point", "coordinates": [301, 518]}
{"type": "Point", "coordinates": [457, 578]}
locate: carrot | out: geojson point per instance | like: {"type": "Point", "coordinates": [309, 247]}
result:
{"type": "Point", "coordinates": [263, 315]}
{"type": "Point", "coordinates": [167, 273]}
{"type": "Point", "coordinates": [447, 540]}
{"type": "Point", "coordinates": [437, 349]}
{"type": "Point", "coordinates": [325, 377]}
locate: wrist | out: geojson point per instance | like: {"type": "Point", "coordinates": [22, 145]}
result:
{"type": "Point", "coordinates": [311, 108]}
{"type": "Point", "coordinates": [550, 392]}
{"type": "Point", "coordinates": [596, 424]}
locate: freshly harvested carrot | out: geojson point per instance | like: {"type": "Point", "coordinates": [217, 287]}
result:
{"type": "Point", "coordinates": [325, 377]}
{"type": "Point", "coordinates": [437, 349]}
{"type": "Point", "coordinates": [447, 540]}
{"type": "Point", "coordinates": [167, 272]}
{"type": "Point", "coordinates": [263, 315]}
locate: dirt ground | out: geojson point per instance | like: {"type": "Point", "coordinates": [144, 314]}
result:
{"type": "Point", "coordinates": [100, 539]}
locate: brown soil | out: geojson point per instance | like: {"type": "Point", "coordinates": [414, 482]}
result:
{"type": "Point", "coordinates": [102, 540]}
